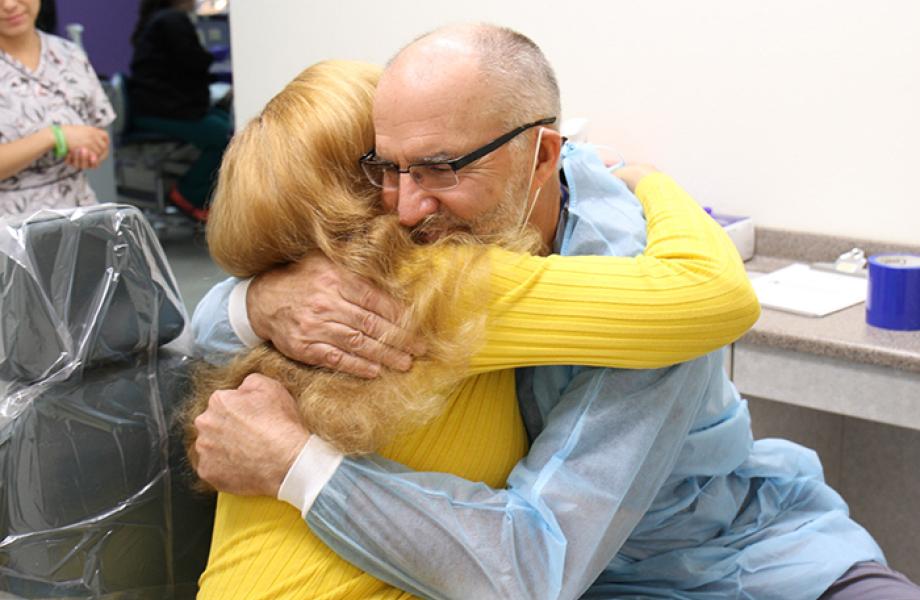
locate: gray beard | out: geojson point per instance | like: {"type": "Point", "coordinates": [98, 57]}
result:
{"type": "Point", "coordinates": [497, 226]}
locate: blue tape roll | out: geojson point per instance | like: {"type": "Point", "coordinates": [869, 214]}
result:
{"type": "Point", "coordinates": [894, 292]}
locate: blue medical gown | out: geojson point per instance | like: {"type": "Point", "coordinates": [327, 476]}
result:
{"type": "Point", "coordinates": [638, 483]}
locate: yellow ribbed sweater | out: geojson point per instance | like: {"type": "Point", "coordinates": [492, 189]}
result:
{"type": "Point", "coordinates": [686, 296]}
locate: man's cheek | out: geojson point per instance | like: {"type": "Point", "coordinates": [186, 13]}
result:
{"type": "Point", "coordinates": [467, 208]}
{"type": "Point", "coordinates": [389, 199]}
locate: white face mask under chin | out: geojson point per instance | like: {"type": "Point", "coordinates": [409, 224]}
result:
{"type": "Point", "coordinates": [529, 204]}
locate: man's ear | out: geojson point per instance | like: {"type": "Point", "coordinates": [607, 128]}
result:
{"type": "Point", "coordinates": [547, 157]}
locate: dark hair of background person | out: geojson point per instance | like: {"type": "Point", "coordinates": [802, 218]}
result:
{"type": "Point", "coordinates": [145, 12]}
{"type": "Point", "coordinates": [47, 16]}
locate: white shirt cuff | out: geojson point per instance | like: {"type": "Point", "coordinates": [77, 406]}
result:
{"type": "Point", "coordinates": [312, 470]}
{"type": "Point", "coordinates": [239, 317]}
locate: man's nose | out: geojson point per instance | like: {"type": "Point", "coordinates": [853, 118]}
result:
{"type": "Point", "coordinates": [412, 202]}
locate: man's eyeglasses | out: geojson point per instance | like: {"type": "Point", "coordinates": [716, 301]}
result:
{"type": "Point", "coordinates": [440, 175]}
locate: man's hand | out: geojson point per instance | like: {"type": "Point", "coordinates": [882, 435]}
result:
{"type": "Point", "coordinates": [320, 314]}
{"type": "Point", "coordinates": [633, 174]}
{"type": "Point", "coordinates": [249, 437]}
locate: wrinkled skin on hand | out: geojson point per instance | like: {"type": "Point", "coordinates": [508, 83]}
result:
{"type": "Point", "coordinates": [320, 314]}
{"type": "Point", "coordinates": [248, 438]}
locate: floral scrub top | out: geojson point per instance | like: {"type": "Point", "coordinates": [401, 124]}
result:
{"type": "Point", "coordinates": [62, 90]}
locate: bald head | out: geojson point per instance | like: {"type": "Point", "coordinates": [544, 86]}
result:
{"type": "Point", "coordinates": [516, 83]}
{"type": "Point", "coordinates": [440, 72]}
{"type": "Point", "coordinates": [443, 99]}
{"type": "Point", "coordinates": [426, 53]}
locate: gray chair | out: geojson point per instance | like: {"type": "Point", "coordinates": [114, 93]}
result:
{"type": "Point", "coordinates": [94, 500]}
{"type": "Point", "coordinates": [146, 157]}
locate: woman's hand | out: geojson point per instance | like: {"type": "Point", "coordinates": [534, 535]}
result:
{"type": "Point", "coordinates": [633, 174]}
{"type": "Point", "coordinates": [87, 147]}
{"type": "Point", "coordinates": [93, 139]}
{"type": "Point", "coordinates": [81, 158]}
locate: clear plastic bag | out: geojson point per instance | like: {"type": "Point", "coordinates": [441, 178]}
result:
{"type": "Point", "coordinates": [93, 361]}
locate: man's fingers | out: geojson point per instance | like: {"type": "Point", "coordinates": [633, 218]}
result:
{"type": "Point", "coordinates": [381, 329]}
{"type": "Point", "coordinates": [360, 293]}
{"type": "Point", "coordinates": [319, 314]}
{"type": "Point", "coordinates": [330, 357]}
{"type": "Point", "coordinates": [253, 381]}
{"type": "Point", "coordinates": [365, 346]}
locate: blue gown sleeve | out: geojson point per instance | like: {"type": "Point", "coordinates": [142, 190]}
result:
{"type": "Point", "coordinates": [569, 505]}
{"type": "Point", "coordinates": [215, 340]}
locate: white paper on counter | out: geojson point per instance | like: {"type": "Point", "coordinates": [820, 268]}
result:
{"type": "Point", "coordinates": [805, 291]}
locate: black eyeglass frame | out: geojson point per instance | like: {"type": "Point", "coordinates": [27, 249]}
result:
{"type": "Point", "coordinates": [455, 164]}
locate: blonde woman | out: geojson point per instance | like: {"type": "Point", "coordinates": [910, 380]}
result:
{"type": "Point", "coordinates": [291, 184]}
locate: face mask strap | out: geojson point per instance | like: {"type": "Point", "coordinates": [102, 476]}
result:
{"type": "Point", "coordinates": [533, 172]}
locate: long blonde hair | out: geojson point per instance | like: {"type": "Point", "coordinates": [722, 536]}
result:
{"type": "Point", "coordinates": [290, 183]}
{"type": "Point", "coordinates": [290, 180]}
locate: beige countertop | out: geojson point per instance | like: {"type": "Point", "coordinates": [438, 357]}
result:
{"type": "Point", "coordinates": [844, 335]}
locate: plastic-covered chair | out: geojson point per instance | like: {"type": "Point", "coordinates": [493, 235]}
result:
{"type": "Point", "coordinates": [93, 503]}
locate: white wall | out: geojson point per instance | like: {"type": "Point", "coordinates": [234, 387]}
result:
{"type": "Point", "coordinates": [804, 114]}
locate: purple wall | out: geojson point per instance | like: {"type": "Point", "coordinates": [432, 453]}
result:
{"type": "Point", "coordinates": [107, 30]}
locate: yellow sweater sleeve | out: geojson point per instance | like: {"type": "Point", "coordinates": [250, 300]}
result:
{"type": "Point", "coordinates": [687, 295]}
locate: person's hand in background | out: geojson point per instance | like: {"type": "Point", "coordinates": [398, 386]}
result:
{"type": "Point", "coordinates": [87, 146]}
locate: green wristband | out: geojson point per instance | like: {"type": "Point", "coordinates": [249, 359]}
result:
{"type": "Point", "coordinates": [60, 142]}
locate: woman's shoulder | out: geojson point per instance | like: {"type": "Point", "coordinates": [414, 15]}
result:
{"type": "Point", "coordinates": [62, 55]}
{"type": "Point", "coordinates": [60, 46]}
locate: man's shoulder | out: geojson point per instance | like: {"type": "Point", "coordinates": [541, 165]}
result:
{"type": "Point", "coordinates": [604, 226]}
{"type": "Point", "coordinates": [604, 217]}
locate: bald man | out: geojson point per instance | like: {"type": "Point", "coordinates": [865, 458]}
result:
{"type": "Point", "coordinates": [642, 483]}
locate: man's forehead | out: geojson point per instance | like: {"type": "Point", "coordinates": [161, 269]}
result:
{"type": "Point", "coordinates": [420, 114]}
{"type": "Point", "coordinates": [419, 131]}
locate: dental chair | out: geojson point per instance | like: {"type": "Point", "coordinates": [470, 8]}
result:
{"type": "Point", "coordinates": [94, 497]}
